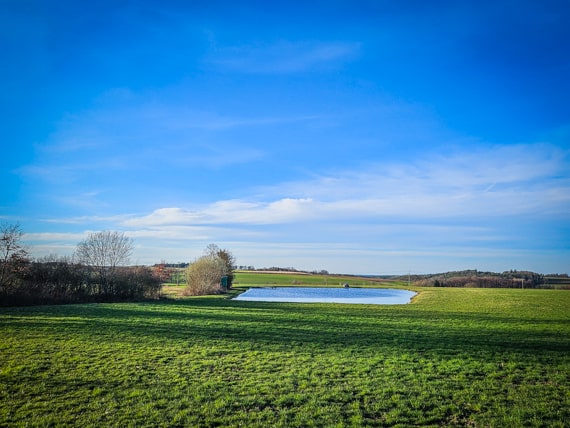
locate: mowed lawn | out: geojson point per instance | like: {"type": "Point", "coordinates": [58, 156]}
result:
{"type": "Point", "coordinates": [454, 357]}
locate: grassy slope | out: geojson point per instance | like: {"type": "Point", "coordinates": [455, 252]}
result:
{"type": "Point", "coordinates": [481, 357]}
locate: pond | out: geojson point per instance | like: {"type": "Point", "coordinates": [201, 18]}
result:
{"type": "Point", "coordinates": [374, 296]}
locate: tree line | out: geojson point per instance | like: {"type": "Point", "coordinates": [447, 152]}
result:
{"type": "Point", "coordinates": [97, 272]}
{"type": "Point", "coordinates": [478, 279]}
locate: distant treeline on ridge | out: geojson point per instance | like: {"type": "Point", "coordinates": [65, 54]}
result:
{"type": "Point", "coordinates": [475, 278]}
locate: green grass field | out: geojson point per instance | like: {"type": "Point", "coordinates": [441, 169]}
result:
{"type": "Point", "coordinates": [454, 357]}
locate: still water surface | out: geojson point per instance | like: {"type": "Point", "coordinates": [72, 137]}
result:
{"type": "Point", "coordinates": [375, 296]}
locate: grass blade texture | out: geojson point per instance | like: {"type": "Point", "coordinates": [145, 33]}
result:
{"type": "Point", "coordinates": [453, 357]}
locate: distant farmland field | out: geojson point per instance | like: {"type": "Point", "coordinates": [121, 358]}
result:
{"type": "Point", "coordinates": [454, 357]}
{"type": "Point", "coordinates": [245, 278]}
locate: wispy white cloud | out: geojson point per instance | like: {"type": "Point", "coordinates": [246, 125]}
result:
{"type": "Point", "coordinates": [468, 169]}
{"type": "Point", "coordinates": [128, 131]}
{"type": "Point", "coordinates": [463, 206]}
{"type": "Point", "coordinates": [503, 181]}
{"type": "Point", "coordinates": [125, 115]}
{"type": "Point", "coordinates": [284, 56]}
{"type": "Point", "coordinates": [499, 180]}
{"type": "Point", "coordinates": [85, 220]}
{"type": "Point", "coordinates": [55, 236]}
{"type": "Point", "coordinates": [284, 210]}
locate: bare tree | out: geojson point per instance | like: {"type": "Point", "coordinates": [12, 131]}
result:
{"type": "Point", "coordinates": [105, 251]}
{"type": "Point", "coordinates": [12, 253]}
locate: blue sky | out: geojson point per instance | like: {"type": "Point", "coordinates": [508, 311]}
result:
{"type": "Point", "coordinates": [358, 137]}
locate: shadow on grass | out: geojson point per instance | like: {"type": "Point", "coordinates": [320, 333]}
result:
{"type": "Point", "coordinates": [318, 327]}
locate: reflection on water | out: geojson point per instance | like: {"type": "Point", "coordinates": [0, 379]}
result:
{"type": "Point", "coordinates": [376, 296]}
